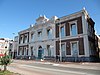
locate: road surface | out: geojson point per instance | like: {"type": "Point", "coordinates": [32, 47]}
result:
{"type": "Point", "coordinates": [46, 68]}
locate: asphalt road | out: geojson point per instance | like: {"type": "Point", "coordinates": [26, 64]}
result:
{"type": "Point", "coordinates": [49, 69]}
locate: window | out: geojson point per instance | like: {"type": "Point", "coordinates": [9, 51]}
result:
{"type": "Point", "coordinates": [39, 35]}
{"type": "Point", "coordinates": [74, 49]}
{"type": "Point", "coordinates": [31, 50]}
{"type": "Point", "coordinates": [91, 47]}
{"type": "Point", "coordinates": [49, 50]}
{"type": "Point", "coordinates": [73, 29]}
{"type": "Point", "coordinates": [25, 39]}
{"type": "Point", "coordinates": [49, 33]}
{"type": "Point", "coordinates": [63, 49]}
{"type": "Point", "coordinates": [90, 30]}
{"type": "Point", "coordinates": [62, 31]}
{"type": "Point", "coordinates": [26, 51]}
{"type": "Point", "coordinates": [19, 51]}
{"type": "Point", "coordinates": [21, 40]}
{"type": "Point", "coordinates": [32, 37]}
{"type": "Point", "coordinates": [22, 51]}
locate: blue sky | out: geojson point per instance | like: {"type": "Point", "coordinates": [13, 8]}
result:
{"type": "Point", "coordinates": [16, 15]}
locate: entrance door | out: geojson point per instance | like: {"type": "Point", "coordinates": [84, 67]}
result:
{"type": "Point", "coordinates": [40, 54]}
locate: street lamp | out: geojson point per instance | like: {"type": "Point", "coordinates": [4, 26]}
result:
{"type": "Point", "coordinates": [13, 46]}
{"type": "Point", "coordinates": [60, 41]}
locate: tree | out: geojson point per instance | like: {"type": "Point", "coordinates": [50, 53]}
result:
{"type": "Point", "coordinates": [5, 61]}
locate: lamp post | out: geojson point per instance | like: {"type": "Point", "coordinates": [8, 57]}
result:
{"type": "Point", "coordinates": [60, 42]}
{"type": "Point", "coordinates": [13, 46]}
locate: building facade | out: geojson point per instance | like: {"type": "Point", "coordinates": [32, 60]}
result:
{"type": "Point", "coordinates": [38, 41]}
{"type": "Point", "coordinates": [75, 37]}
{"type": "Point", "coordinates": [15, 47]}
{"type": "Point", "coordinates": [69, 38]}
{"type": "Point", "coordinates": [5, 46]}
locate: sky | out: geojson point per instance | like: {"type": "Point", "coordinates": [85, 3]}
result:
{"type": "Point", "coordinates": [17, 15]}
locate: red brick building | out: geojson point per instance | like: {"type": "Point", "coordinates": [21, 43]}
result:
{"type": "Point", "coordinates": [75, 37]}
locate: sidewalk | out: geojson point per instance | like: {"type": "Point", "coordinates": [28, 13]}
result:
{"type": "Point", "coordinates": [82, 65]}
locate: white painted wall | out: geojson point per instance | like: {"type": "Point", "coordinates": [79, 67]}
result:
{"type": "Point", "coordinates": [85, 33]}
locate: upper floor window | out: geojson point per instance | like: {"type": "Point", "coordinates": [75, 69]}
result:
{"type": "Point", "coordinates": [21, 39]}
{"type": "Point", "coordinates": [32, 36]}
{"type": "Point", "coordinates": [90, 30]}
{"type": "Point", "coordinates": [62, 31]}
{"type": "Point", "coordinates": [39, 35]}
{"type": "Point", "coordinates": [73, 29]}
{"type": "Point", "coordinates": [25, 39]}
{"type": "Point", "coordinates": [49, 33]}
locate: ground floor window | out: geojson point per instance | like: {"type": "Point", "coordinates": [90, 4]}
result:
{"type": "Point", "coordinates": [63, 49]}
{"type": "Point", "coordinates": [49, 50]}
{"type": "Point", "coordinates": [26, 51]}
{"type": "Point", "coordinates": [18, 52]}
{"type": "Point", "coordinates": [91, 48]}
{"type": "Point", "coordinates": [74, 49]}
{"type": "Point", "coordinates": [22, 51]}
{"type": "Point", "coordinates": [31, 50]}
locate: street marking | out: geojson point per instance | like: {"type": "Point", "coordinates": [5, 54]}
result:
{"type": "Point", "coordinates": [54, 69]}
{"type": "Point", "coordinates": [56, 64]}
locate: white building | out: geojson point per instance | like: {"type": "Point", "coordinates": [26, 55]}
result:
{"type": "Point", "coordinates": [15, 47]}
{"type": "Point", "coordinates": [5, 45]}
{"type": "Point", "coordinates": [38, 41]}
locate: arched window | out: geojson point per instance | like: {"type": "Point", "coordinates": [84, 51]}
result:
{"type": "Point", "coordinates": [40, 47]}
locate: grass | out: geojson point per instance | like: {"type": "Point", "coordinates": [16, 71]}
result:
{"type": "Point", "coordinates": [8, 73]}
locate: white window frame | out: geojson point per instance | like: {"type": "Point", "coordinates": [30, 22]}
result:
{"type": "Point", "coordinates": [48, 50]}
{"type": "Point", "coordinates": [32, 36]}
{"type": "Point", "coordinates": [24, 50]}
{"type": "Point", "coordinates": [77, 47]}
{"type": "Point", "coordinates": [20, 51]}
{"type": "Point", "coordinates": [27, 51]}
{"type": "Point", "coordinates": [65, 47]}
{"type": "Point", "coordinates": [32, 50]}
{"type": "Point", "coordinates": [50, 36]}
{"type": "Point", "coordinates": [21, 39]}
{"type": "Point", "coordinates": [26, 41]}
{"type": "Point", "coordinates": [73, 22]}
{"type": "Point", "coordinates": [39, 37]}
{"type": "Point", "coordinates": [61, 25]}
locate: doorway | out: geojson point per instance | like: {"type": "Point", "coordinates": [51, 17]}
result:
{"type": "Point", "coordinates": [40, 52]}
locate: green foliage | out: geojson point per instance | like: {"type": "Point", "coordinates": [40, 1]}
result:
{"type": "Point", "coordinates": [6, 72]}
{"type": "Point", "coordinates": [5, 60]}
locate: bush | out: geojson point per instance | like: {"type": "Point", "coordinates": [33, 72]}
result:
{"type": "Point", "coordinates": [5, 61]}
